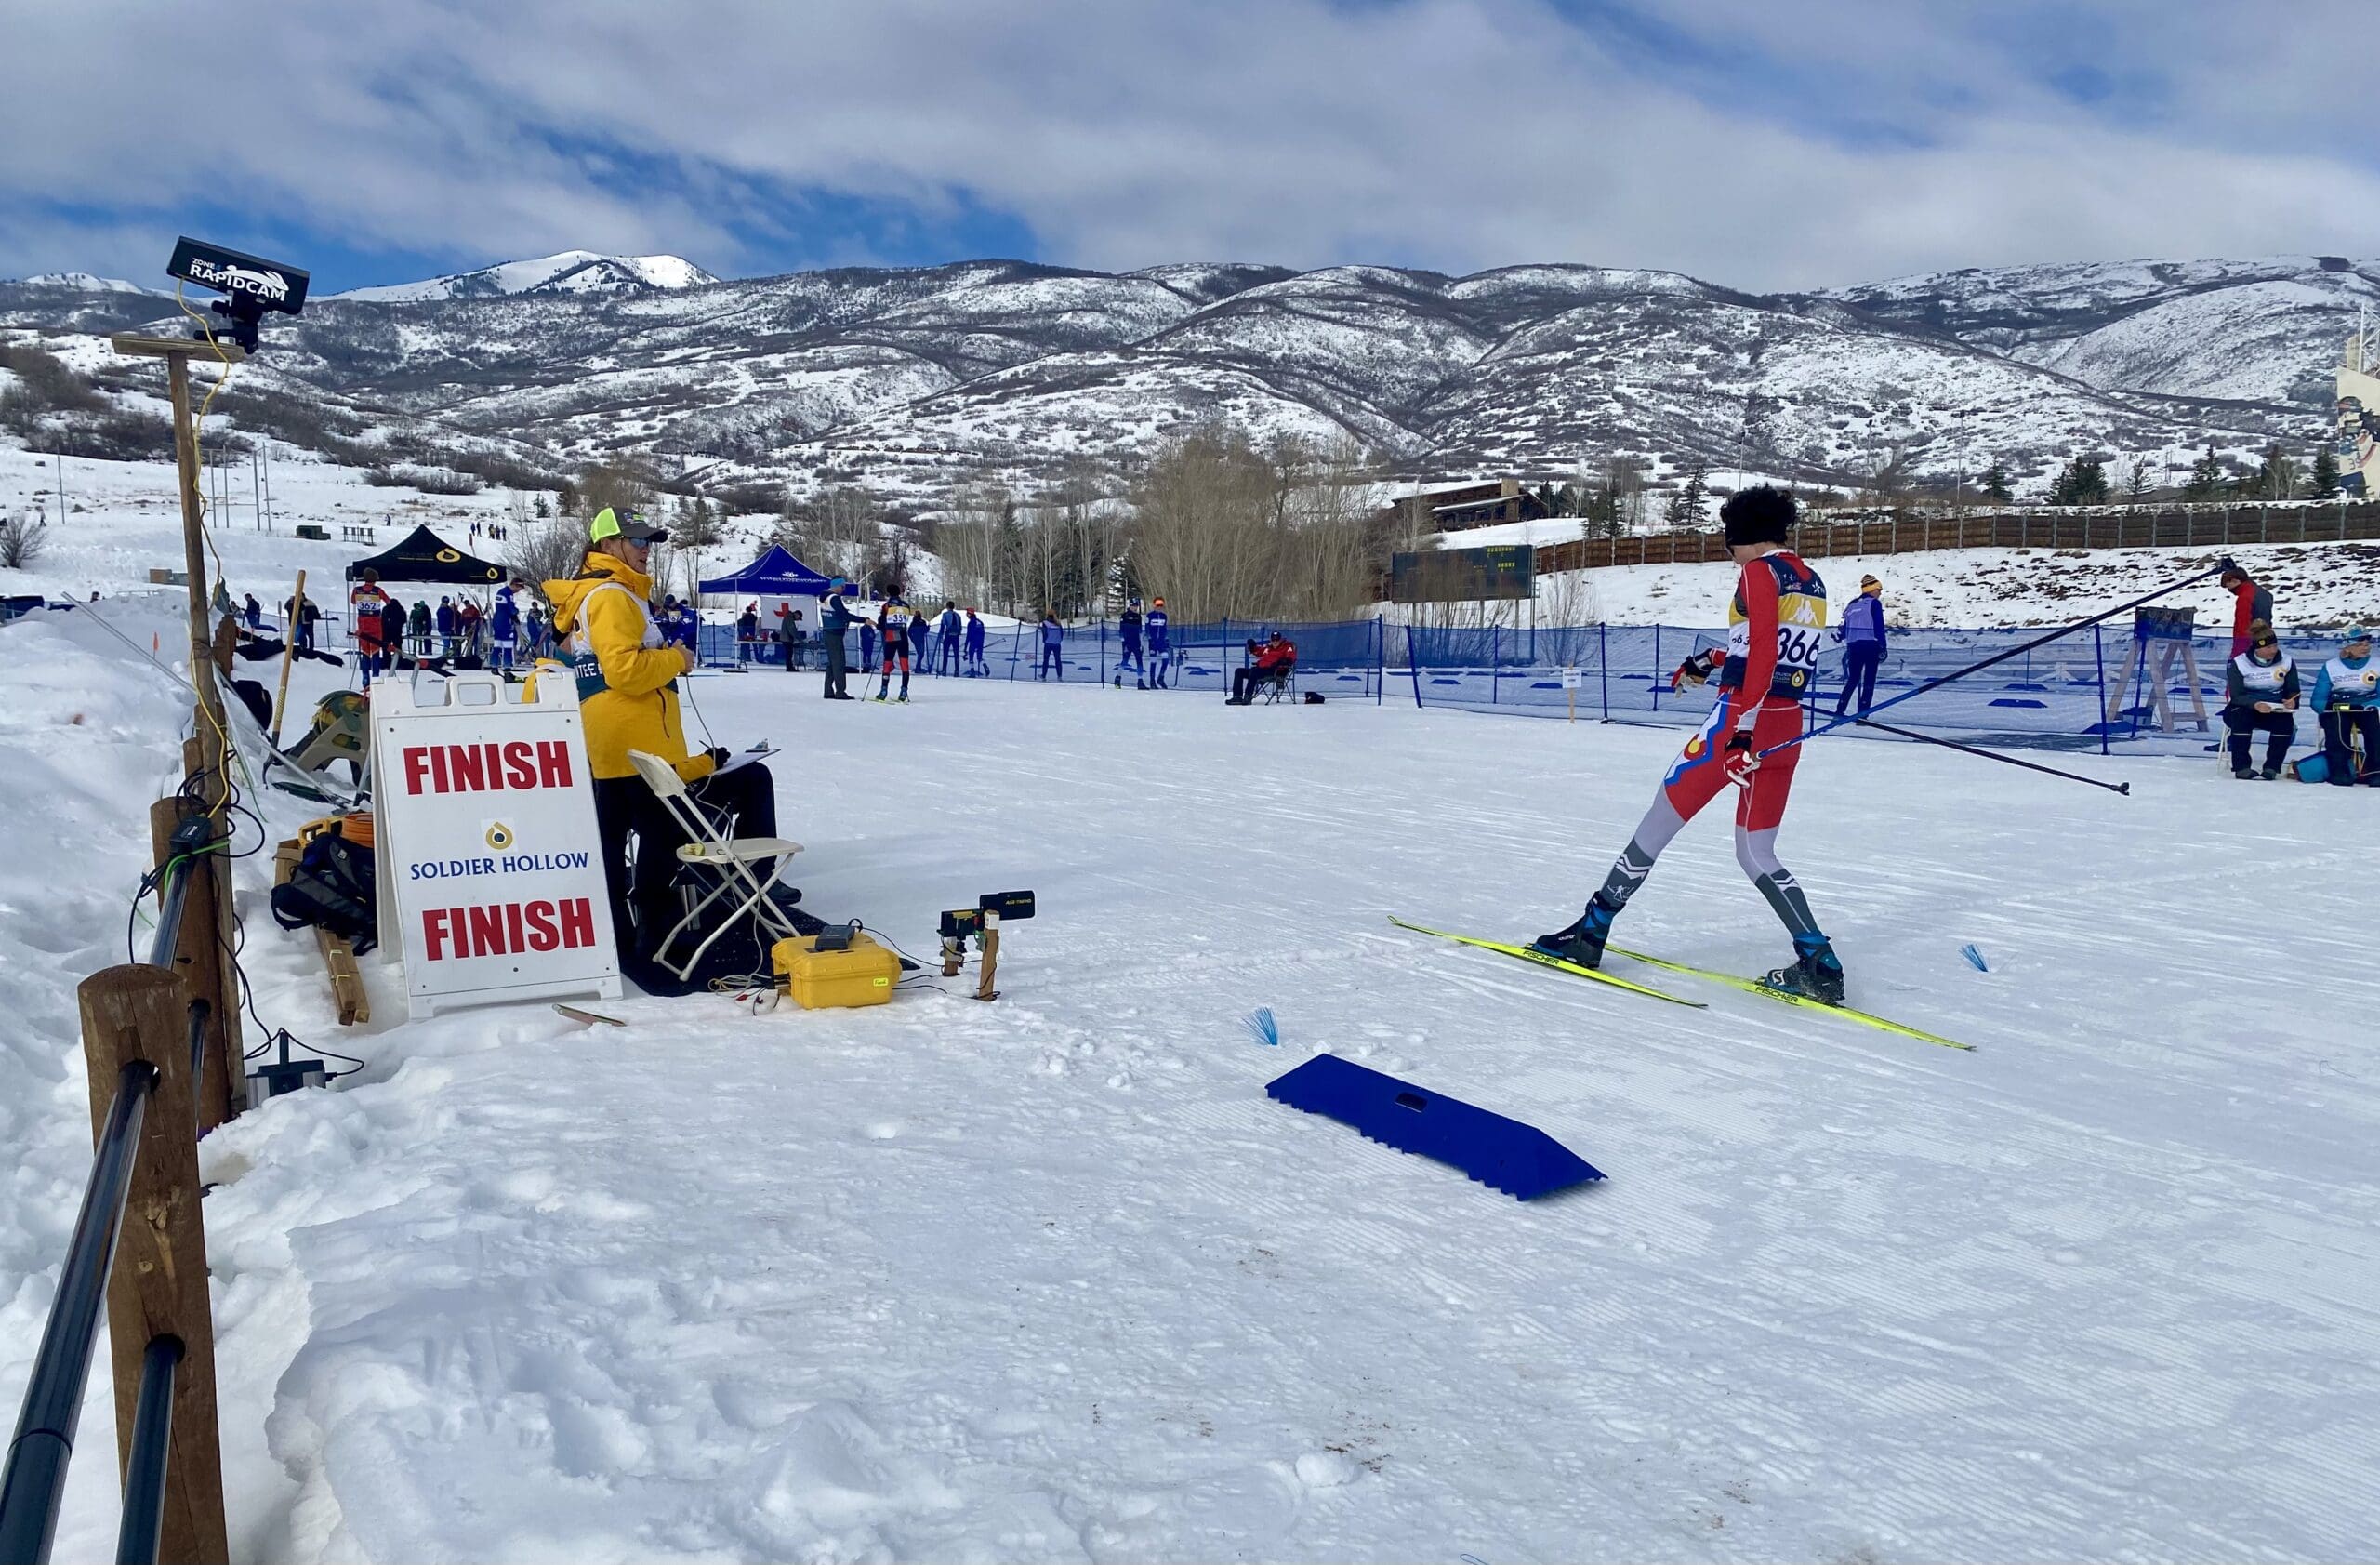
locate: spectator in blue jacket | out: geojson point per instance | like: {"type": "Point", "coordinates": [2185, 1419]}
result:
{"type": "Point", "coordinates": [976, 667]}
{"type": "Point", "coordinates": [1862, 635]}
{"type": "Point", "coordinates": [867, 643]}
{"type": "Point", "coordinates": [1053, 638]}
{"type": "Point", "coordinates": [450, 628]}
{"type": "Point", "coordinates": [1152, 625]}
{"type": "Point", "coordinates": [947, 661]}
{"type": "Point", "coordinates": [2347, 699]}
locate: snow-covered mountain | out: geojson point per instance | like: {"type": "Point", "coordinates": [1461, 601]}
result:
{"type": "Point", "coordinates": [920, 378]}
{"type": "Point", "coordinates": [571, 271]}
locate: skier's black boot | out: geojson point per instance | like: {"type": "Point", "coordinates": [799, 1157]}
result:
{"type": "Point", "coordinates": [1815, 974]}
{"type": "Point", "coordinates": [1583, 941]}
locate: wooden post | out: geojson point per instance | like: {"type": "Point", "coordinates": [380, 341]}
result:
{"type": "Point", "coordinates": [983, 989]}
{"type": "Point", "coordinates": [288, 654]}
{"type": "Point", "coordinates": [159, 1285]}
{"type": "Point", "coordinates": [200, 959]}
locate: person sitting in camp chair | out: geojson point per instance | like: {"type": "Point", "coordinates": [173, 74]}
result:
{"type": "Point", "coordinates": [628, 694]}
{"type": "Point", "coordinates": [1269, 670]}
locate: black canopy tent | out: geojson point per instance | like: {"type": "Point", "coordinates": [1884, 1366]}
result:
{"type": "Point", "coordinates": [424, 556]}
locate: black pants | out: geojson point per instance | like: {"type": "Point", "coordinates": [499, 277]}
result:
{"type": "Point", "coordinates": [1246, 682]}
{"type": "Point", "coordinates": [2245, 722]}
{"type": "Point", "coordinates": [950, 662]}
{"type": "Point", "coordinates": [1860, 660]}
{"type": "Point", "coordinates": [1051, 662]}
{"type": "Point", "coordinates": [836, 671]}
{"type": "Point", "coordinates": [640, 846]}
{"type": "Point", "coordinates": [2345, 734]}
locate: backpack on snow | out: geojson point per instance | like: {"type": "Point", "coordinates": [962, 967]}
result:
{"type": "Point", "coordinates": [332, 887]}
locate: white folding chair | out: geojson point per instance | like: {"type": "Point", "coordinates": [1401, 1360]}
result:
{"type": "Point", "coordinates": [731, 857]}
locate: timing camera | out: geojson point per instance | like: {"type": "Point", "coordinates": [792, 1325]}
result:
{"type": "Point", "coordinates": [250, 285]}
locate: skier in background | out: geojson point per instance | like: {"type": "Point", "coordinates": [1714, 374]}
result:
{"type": "Point", "coordinates": [504, 629]}
{"type": "Point", "coordinates": [976, 667]}
{"type": "Point", "coordinates": [2250, 603]}
{"type": "Point", "coordinates": [789, 635]}
{"type": "Point", "coordinates": [947, 660]}
{"type": "Point", "coordinates": [467, 624]}
{"type": "Point", "coordinates": [1160, 645]}
{"type": "Point", "coordinates": [1053, 637]}
{"type": "Point", "coordinates": [690, 628]}
{"type": "Point", "coordinates": [421, 625]}
{"type": "Point", "coordinates": [1775, 624]}
{"type": "Point", "coordinates": [747, 633]}
{"type": "Point", "coordinates": [448, 626]}
{"type": "Point", "coordinates": [1862, 635]}
{"type": "Point", "coordinates": [254, 612]}
{"type": "Point", "coordinates": [867, 646]}
{"type": "Point", "coordinates": [1128, 626]}
{"type": "Point", "coordinates": [896, 622]}
{"type": "Point", "coordinates": [393, 632]}
{"type": "Point", "coordinates": [365, 603]}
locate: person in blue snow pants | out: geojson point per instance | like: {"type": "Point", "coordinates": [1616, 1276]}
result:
{"type": "Point", "coordinates": [1862, 635]}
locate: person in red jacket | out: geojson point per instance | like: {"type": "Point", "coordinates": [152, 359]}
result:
{"type": "Point", "coordinates": [1268, 664]}
{"type": "Point", "coordinates": [2250, 603]}
{"type": "Point", "coordinates": [1776, 624]}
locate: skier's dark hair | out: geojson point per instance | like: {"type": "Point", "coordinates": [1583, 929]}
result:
{"type": "Point", "coordinates": [1761, 516]}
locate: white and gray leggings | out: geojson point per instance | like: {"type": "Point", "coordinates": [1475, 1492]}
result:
{"type": "Point", "coordinates": [1756, 851]}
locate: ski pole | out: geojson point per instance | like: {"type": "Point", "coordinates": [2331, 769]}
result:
{"type": "Point", "coordinates": [2122, 787]}
{"type": "Point", "coordinates": [2002, 656]}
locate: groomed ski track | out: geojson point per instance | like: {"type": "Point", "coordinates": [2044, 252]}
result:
{"type": "Point", "coordinates": [1052, 1279]}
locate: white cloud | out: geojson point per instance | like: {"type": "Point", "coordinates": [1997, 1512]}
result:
{"type": "Point", "coordinates": [1453, 133]}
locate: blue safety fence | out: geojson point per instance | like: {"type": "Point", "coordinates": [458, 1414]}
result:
{"type": "Point", "coordinates": [1341, 658]}
{"type": "Point", "coordinates": [2096, 689]}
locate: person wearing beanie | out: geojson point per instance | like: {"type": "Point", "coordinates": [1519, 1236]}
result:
{"type": "Point", "coordinates": [1776, 622]}
{"type": "Point", "coordinates": [1862, 635]}
{"type": "Point", "coordinates": [2347, 699]}
{"type": "Point", "coordinates": [2250, 603]}
{"type": "Point", "coordinates": [1160, 641]}
{"type": "Point", "coordinates": [2260, 696]}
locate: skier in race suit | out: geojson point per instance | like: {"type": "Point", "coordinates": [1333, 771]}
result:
{"type": "Point", "coordinates": [1775, 625]}
{"type": "Point", "coordinates": [895, 624]}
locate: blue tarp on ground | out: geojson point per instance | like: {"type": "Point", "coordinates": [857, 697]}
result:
{"type": "Point", "coordinates": [776, 572]}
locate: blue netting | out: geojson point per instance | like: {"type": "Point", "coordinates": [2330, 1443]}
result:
{"type": "Point", "coordinates": [2086, 688]}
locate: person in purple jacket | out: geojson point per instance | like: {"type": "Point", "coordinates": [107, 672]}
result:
{"type": "Point", "coordinates": [1862, 635]}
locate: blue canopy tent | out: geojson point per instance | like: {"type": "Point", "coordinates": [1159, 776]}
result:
{"type": "Point", "coordinates": [775, 574]}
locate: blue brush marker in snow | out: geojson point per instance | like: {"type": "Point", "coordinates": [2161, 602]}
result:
{"type": "Point", "coordinates": [1974, 956]}
{"type": "Point", "coordinates": [1260, 1024]}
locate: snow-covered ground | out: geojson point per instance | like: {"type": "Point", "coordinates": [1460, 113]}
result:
{"type": "Point", "coordinates": [1052, 1279]}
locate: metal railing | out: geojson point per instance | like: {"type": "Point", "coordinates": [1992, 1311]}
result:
{"type": "Point", "coordinates": [35, 1478]}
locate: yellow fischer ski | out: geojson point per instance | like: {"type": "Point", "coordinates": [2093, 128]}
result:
{"type": "Point", "coordinates": [1753, 985]}
{"type": "Point", "coordinates": [1541, 959]}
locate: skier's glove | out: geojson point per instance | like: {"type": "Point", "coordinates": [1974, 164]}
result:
{"type": "Point", "coordinates": [1698, 668]}
{"type": "Point", "coordinates": [1739, 761]}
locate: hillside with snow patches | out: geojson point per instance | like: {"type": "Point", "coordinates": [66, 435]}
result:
{"type": "Point", "coordinates": [915, 380]}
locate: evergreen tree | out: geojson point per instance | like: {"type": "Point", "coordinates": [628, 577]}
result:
{"type": "Point", "coordinates": [1685, 507]}
{"type": "Point", "coordinates": [545, 507]}
{"type": "Point", "coordinates": [2090, 481]}
{"type": "Point", "coordinates": [2206, 477]}
{"type": "Point", "coordinates": [1995, 484]}
{"type": "Point", "coordinates": [2326, 473]}
{"type": "Point", "coordinates": [2276, 478]}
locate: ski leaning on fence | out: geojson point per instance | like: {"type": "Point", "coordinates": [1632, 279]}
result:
{"type": "Point", "coordinates": [1753, 985]}
{"type": "Point", "coordinates": [1541, 959]}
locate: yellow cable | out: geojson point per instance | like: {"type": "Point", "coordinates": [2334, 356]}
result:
{"type": "Point", "coordinates": [206, 534]}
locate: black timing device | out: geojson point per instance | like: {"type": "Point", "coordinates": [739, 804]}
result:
{"type": "Point", "coordinates": [250, 285]}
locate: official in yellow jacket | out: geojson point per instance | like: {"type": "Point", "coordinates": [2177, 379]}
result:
{"type": "Point", "coordinates": [628, 698]}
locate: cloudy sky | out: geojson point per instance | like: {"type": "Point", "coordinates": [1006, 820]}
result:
{"type": "Point", "coordinates": [1762, 143]}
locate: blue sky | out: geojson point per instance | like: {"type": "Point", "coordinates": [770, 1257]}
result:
{"type": "Point", "coordinates": [1821, 143]}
